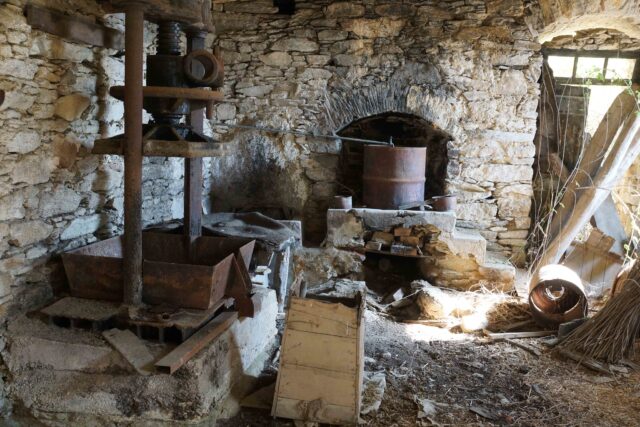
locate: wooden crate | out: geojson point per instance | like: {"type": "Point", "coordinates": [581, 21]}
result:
{"type": "Point", "coordinates": [322, 361]}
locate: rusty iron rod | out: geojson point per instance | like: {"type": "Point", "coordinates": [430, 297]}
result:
{"type": "Point", "coordinates": [133, 79]}
{"type": "Point", "coordinates": [193, 167]}
{"type": "Point", "coordinates": [298, 133]}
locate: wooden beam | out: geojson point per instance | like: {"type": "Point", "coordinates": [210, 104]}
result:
{"type": "Point", "coordinates": [185, 351]}
{"type": "Point", "coordinates": [73, 28]}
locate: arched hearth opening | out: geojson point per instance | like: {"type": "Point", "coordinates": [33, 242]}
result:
{"type": "Point", "coordinates": [405, 130]}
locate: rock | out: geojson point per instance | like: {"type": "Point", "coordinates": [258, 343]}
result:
{"type": "Point", "coordinates": [345, 231]}
{"type": "Point", "coordinates": [66, 150]}
{"type": "Point", "coordinates": [18, 68]}
{"type": "Point", "coordinates": [266, 7]}
{"type": "Point", "coordinates": [395, 10]}
{"type": "Point", "coordinates": [295, 44]}
{"type": "Point", "coordinates": [71, 107]}
{"type": "Point", "coordinates": [33, 170]}
{"type": "Point", "coordinates": [23, 142]}
{"type": "Point", "coordinates": [435, 13]}
{"type": "Point", "coordinates": [514, 206]}
{"type": "Point", "coordinates": [54, 48]}
{"type": "Point", "coordinates": [12, 206]}
{"type": "Point", "coordinates": [277, 59]}
{"type": "Point", "coordinates": [318, 266]}
{"type": "Point", "coordinates": [332, 35]}
{"type": "Point", "coordinates": [315, 74]}
{"type": "Point", "coordinates": [59, 201]}
{"type": "Point", "coordinates": [256, 91]}
{"type": "Point", "coordinates": [477, 212]}
{"type": "Point", "coordinates": [26, 233]}
{"type": "Point", "coordinates": [226, 111]}
{"type": "Point", "coordinates": [5, 284]}
{"type": "Point", "coordinates": [81, 226]}
{"type": "Point", "coordinates": [498, 172]}
{"type": "Point", "coordinates": [498, 34]}
{"type": "Point", "coordinates": [344, 10]}
{"type": "Point", "coordinates": [107, 179]}
{"type": "Point", "coordinates": [374, 28]}
{"type": "Point", "coordinates": [513, 82]}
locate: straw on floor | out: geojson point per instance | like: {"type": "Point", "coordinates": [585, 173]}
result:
{"type": "Point", "coordinates": [611, 333]}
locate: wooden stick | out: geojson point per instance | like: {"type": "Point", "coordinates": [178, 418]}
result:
{"type": "Point", "coordinates": [511, 335]}
{"type": "Point", "coordinates": [185, 351]}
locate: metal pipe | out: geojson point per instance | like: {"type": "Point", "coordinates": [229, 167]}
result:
{"type": "Point", "coordinates": [193, 167]}
{"type": "Point", "coordinates": [297, 133]}
{"type": "Point", "coordinates": [133, 81]}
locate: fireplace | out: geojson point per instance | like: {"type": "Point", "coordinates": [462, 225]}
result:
{"type": "Point", "coordinates": [403, 130]}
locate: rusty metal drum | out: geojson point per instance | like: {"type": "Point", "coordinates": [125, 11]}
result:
{"type": "Point", "coordinates": [393, 176]}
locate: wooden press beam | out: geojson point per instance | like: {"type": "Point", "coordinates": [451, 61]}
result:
{"type": "Point", "coordinates": [73, 28]}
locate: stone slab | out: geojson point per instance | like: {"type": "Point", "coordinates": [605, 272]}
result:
{"type": "Point", "coordinates": [377, 219]}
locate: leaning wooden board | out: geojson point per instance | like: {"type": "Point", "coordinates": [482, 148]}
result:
{"type": "Point", "coordinates": [322, 362]}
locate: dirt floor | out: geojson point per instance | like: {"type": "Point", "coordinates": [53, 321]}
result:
{"type": "Point", "coordinates": [470, 381]}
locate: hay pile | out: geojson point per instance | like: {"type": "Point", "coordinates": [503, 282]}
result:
{"type": "Point", "coordinates": [610, 335]}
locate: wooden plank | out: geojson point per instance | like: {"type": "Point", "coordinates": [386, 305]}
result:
{"type": "Point", "coordinates": [83, 309]}
{"type": "Point", "coordinates": [73, 28]}
{"type": "Point", "coordinates": [131, 348]}
{"type": "Point", "coordinates": [185, 351]}
{"type": "Point", "coordinates": [314, 411]}
{"type": "Point", "coordinates": [320, 351]}
{"type": "Point", "coordinates": [325, 310]}
{"type": "Point", "coordinates": [607, 219]}
{"type": "Point", "coordinates": [306, 322]}
{"type": "Point", "coordinates": [511, 335]}
{"type": "Point", "coordinates": [308, 384]}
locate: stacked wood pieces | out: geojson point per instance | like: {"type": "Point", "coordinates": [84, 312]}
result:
{"type": "Point", "coordinates": [401, 241]}
{"type": "Point", "coordinates": [322, 361]}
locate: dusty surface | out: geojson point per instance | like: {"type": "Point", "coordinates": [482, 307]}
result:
{"type": "Point", "coordinates": [459, 371]}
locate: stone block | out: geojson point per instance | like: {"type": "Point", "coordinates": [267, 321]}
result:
{"type": "Point", "coordinates": [466, 244]}
{"type": "Point", "coordinates": [196, 394]}
{"type": "Point", "coordinates": [55, 48]}
{"type": "Point", "coordinates": [277, 59]}
{"type": "Point", "coordinates": [344, 10]}
{"type": "Point", "coordinates": [26, 233]}
{"type": "Point", "coordinates": [59, 201]}
{"type": "Point", "coordinates": [18, 68]}
{"type": "Point", "coordinates": [295, 44]}
{"type": "Point", "coordinates": [23, 142]}
{"type": "Point", "coordinates": [374, 28]}
{"type": "Point", "coordinates": [377, 219]}
{"type": "Point", "coordinates": [33, 169]}
{"type": "Point", "coordinates": [71, 107]}
{"type": "Point", "coordinates": [81, 226]}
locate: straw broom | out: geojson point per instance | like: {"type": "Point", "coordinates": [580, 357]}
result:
{"type": "Point", "coordinates": [611, 333]}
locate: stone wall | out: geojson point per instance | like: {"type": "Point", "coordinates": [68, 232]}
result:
{"type": "Point", "coordinates": [468, 67]}
{"type": "Point", "coordinates": [55, 195]}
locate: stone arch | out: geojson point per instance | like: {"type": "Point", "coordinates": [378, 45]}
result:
{"type": "Point", "coordinates": [565, 17]}
{"type": "Point", "coordinates": [346, 103]}
{"type": "Point", "coordinates": [406, 130]}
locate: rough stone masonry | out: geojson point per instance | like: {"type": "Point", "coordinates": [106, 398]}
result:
{"type": "Point", "coordinates": [470, 67]}
{"type": "Point", "coordinates": [55, 195]}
